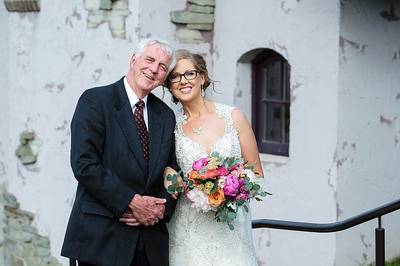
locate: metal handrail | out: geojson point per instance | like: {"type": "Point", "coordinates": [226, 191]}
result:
{"type": "Point", "coordinates": [339, 226]}
{"type": "Point", "coordinates": [329, 227]}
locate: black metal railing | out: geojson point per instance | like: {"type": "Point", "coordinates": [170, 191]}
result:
{"type": "Point", "coordinates": [339, 226]}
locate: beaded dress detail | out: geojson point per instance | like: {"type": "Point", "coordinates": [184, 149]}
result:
{"type": "Point", "coordinates": [197, 238]}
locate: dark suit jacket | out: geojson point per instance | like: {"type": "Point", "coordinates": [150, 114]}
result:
{"type": "Point", "coordinates": [107, 161]}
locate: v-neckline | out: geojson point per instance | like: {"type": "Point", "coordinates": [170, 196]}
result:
{"type": "Point", "coordinates": [202, 146]}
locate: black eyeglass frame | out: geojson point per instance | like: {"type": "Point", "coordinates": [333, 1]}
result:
{"type": "Point", "coordinates": [184, 75]}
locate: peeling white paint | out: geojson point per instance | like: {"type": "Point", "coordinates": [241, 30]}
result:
{"type": "Point", "coordinates": [368, 111]}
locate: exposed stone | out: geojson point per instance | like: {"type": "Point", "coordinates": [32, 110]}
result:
{"type": "Point", "coordinates": [189, 36]}
{"type": "Point", "coordinates": [24, 151]}
{"type": "Point", "coordinates": [199, 26]}
{"type": "Point", "coordinates": [92, 4]}
{"type": "Point", "coordinates": [115, 15]}
{"type": "Point", "coordinates": [105, 5]}
{"type": "Point", "coordinates": [191, 17]}
{"type": "Point", "coordinates": [203, 2]}
{"type": "Point", "coordinates": [11, 200]}
{"type": "Point", "coordinates": [22, 5]}
{"type": "Point", "coordinates": [201, 9]}
{"type": "Point", "coordinates": [16, 261]}
{"type": "Point", "coordinates": [95, 18]}
{"type": "Point", "coordinates": [20, 243]}
{"type": "Point", "coordinates": [42, 241]}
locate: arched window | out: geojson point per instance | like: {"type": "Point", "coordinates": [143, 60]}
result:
{"type": "Point", "coordinates": [271, 102]}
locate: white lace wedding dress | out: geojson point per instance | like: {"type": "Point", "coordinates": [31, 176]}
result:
{"type": "Point", "coordinates": [196, 239]}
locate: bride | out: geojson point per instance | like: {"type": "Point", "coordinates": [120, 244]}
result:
{"type": "Point", "coordinates": [204, 127]}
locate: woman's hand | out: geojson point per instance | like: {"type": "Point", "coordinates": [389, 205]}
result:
{"type": "Point", "coordinates": [169, 171]}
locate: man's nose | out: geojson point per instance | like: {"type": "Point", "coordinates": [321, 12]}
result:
{"type": "Point", "coordinates": [153, 68]}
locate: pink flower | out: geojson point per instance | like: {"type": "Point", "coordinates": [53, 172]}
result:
{"type": "Point", "coordinates": [222, 171]}
{"type": "Point", "coordinates": [198, 164]}
{"type": "Point", "coordinates": [244, 194]}
{"type": "Point", "coordinates": [232, 185]}
{"type": "Point", "coordinates": [237, 166]}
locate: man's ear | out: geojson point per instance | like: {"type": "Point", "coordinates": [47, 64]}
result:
{"type": "Point", "coordinates": [133, 60]}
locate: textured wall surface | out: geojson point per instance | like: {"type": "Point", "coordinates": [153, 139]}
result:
{"type": "Point", "coordinates": [345, 133]}
{"type": "Point", "coordinates": [53, 57]}
{"type": "Point", "coordinates": [20, 242]}
{"type": "Point", "coordinates": [368, 148]}
{"type": "Point", "coordinates": [306, 33]}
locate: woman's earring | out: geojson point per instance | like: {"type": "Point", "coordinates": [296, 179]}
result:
{"type": "Point", "coordinates": [202, 90]}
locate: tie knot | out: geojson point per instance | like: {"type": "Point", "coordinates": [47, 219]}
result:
{"type": "Point", "coordinates": [140, 104]}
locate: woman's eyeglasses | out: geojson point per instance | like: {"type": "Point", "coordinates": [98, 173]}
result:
{"type": "Point", "coordinates": [176, 77]}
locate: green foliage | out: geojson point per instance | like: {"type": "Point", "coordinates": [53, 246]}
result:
{"type": "Point", "coordinates": [395, 262]}
{"type": "Point", "coordinates": [174, 187]}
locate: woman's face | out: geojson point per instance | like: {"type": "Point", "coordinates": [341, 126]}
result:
{"type": "Point", "coordinates": [186, 81]}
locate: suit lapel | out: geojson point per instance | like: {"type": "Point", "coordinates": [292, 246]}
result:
{"type": "Point", "coordinates": [124, 115]}
{"type": "Point", "coordinates": [156, 128]}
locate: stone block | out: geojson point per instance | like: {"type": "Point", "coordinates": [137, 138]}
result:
{"type": "Point", "coordinates": [41, 241]}
{"type": "Point", "coordinates": [201, 9]}
{"type": "Point", "coordinates": [200, 26]}
{"type": "Point", "coordinates": [92, 4]}
{"type": "Point", "coordinates": [43, 252]}
{"type": "Point", "coordinates": [22, 5]}
{"type": "Point", "coordinates": [29, 229]}
{"type": "Point", "coordinates": [189, 36]}
{"type": "Point", "coordinates": [203, 2]}
{"type": "Point", "coordinates": [95, 18]}
{"type": "Point", "coordinates": [21, 235]}
{"type": "Point", "coordinates": [186, 17]}
{"type": "Point", "coordinates": [16, 261]}
{"type": "Point", "coordinates": [120, 5]}
{"type": "Point", "coordinates": [105, 5]}
{"type": "Point", "coordinates": [11, 200]}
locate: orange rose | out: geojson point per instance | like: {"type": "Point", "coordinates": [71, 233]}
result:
{"type": "Point", "coordinates": [194, 175]}
{"type": "Point", "coordinates": [216, 198]}
{"type": "Point", "coordinates": [212, 174]}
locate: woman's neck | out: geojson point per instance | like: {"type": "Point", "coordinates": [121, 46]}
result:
{"type": "Point", "coordinates": [196, 108]}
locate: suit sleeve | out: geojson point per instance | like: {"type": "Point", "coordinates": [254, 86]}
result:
{"type": "Point", "coordinates": [87, 146]}
{"type": "Point", "coordinates": [171, 202]}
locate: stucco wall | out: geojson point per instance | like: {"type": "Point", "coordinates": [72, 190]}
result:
{"type": "Point", "coordinates": [303, 185]}
{"type": "Point", "coordinates": [368, 150]}
{"type": "Point", "coordinates": [4, 29]}
{"type": "Point", "coordinates": [53, 58]}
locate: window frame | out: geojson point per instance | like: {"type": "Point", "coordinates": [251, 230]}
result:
{"type": "Point", "coordinates": [259, 120]}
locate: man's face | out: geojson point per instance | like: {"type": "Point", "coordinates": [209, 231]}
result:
{"type": "Point", "coordinates": [149, 69]}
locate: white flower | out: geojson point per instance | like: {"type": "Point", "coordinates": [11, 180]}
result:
{"type": "Point", "coordinates": [221, 182]}
{"type": "Point", "coordinates": [251, 175]}
{"type": "Point", "coordinates": [199, 200]}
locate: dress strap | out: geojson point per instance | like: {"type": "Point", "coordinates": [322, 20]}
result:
{"type": "Point", "coordinates": [225, 111]}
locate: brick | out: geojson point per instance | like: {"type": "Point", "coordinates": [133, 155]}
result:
{"type": "Point", "coordinates": [201, 9]}
{"type": "Point", "coordinates": [200, 26]}
{"type": "Point", "coordinates": [191, 17]}
{"type": "Point", "coordinates": [203, 2]}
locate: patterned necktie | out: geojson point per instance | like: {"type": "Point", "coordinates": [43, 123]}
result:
{"type": "Point", "coordinates": [141, 127]}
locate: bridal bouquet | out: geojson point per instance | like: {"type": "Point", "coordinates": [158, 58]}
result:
{"type": "Point", "coordinates": [218, 184]}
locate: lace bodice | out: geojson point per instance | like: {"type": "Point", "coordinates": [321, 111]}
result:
{"type": "Point", "coordinates": [196, 238]}
{"type": "Point", "coordinates": [227, 145]}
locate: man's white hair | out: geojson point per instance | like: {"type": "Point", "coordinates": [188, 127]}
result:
{"type": "Point", "coordinates": [165, 45]}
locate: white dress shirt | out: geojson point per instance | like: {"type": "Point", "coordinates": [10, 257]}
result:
{"type": "Point", "coordinates": [133, 99]}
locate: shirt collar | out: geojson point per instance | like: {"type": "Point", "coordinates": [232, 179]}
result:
{"type": "Point", "coordinates": [133, 99]}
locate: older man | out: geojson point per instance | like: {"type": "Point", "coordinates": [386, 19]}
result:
{"type": "Point", "coordinates": [121, 141]}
